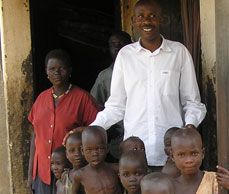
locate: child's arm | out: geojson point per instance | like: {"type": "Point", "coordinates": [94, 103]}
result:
{"type": "Point", "coordinates": [114, 166]}
{"type": "Point", "coordinates": [222, 177]}
{"type": "Point", "coordinates": [58, 187]}
{"type": "Point", "coordinates": [76, 182]}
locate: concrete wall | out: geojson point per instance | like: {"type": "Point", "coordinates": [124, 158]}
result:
{"type": "Point", "coordinates": [208, 49]}
{"type": "Point", "coordinates": [16, 95]}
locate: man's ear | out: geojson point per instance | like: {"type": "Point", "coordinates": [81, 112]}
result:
{"type": "Point", "coordinates": [107, 149]}
{"type": "Point", "coordinates": [133, 20]}
{"type": "Point", "coordinates": [162, 19]}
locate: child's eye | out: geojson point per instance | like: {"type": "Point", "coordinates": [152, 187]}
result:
{"type": "Point", "coordinates": [180, 154]}
{"type": "Point", "coordinates": [100, 149]}
{"type": "Point", "coordinates": [143, 149]}
{"type": "Point", "coordinates": [135, 149]}
{"type": "Point", "coordinates": [194, 153]}
{"type": "Point", "coordinates": [125, 174]}
{"type": "Point", "coordinates": [138, 174]}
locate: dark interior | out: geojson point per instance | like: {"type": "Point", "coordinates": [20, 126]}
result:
{"type": "Point", "coordinates": [83, 28]}
{"type": "Point", "coordinates": [80, 27]}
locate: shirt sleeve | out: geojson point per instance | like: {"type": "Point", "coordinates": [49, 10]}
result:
{"type": "Point", "coordinates": [194, 110]}
{"type": "Point", "coordinates": [115, 105]}
{"type": "Point", "coordinates": [89, 109]}
{"type": "Point", "coordinates": [98, 91]}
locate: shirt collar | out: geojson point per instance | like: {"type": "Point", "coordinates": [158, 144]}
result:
{"type": "Point", "coordinates": [164, 45]}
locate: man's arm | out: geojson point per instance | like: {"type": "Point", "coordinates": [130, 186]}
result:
{"type": "Point", "coordinates": [31, 158]}
{"type": "Point", "coordinates": [194, 110]}
{"type": "Point", "coordinates": [76, 182]}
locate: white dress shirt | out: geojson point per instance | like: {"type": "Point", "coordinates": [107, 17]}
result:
{"type": "Point", "coordinates": [153, 92]}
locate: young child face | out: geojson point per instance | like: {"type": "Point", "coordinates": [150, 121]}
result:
{"type": "Point", "coordinates": [131, 173]}
{"type": "Point", "coordinates": [134, 144]}
{"type": "Point", "coordinates": [94, 149]}
{"type": "Point", "coordinates": [188, 155]}
{"type": "Point", "coordinates": [58, 163]}
{"type": "Point", "coordinates": [73, 151]}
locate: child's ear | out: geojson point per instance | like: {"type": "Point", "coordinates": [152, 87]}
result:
{"type": "Point", "coordinates": [82, 151]}
{"type": "Point", "coordinates": [203, 151]}
{"type": "Point", "coordinates": [171, 154]}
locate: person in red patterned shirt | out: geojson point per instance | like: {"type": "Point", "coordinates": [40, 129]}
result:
{"type": "Point", "coordinates": [56, 111]}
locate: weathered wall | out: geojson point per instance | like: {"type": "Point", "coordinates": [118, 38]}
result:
{"type": "Point", "coordinates": [208, 49]}
{"type": "Point", "coordinates": [222, 81]}
{"type": "Point", "coordinates": [17, 87]}
{"type": "Point", "coordinates": [127, 7]}
{"type": "Point", "coordinates": [4, 148]}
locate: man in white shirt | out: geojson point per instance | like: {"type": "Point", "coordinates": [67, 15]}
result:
{"type": "Point", "coordinates": [153, 86]}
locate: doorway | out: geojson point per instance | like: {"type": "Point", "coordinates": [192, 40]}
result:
{"type": "Point", "coordinates": [82, 28]}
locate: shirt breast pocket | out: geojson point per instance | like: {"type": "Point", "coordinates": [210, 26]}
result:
{"type": "Point", "coordinates": [169, 83]}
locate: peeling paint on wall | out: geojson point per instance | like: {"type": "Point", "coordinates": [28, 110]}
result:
{"type": "Point", "coordinates": [27, 70]}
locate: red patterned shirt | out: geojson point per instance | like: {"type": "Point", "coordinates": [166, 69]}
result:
{"type": "Point", "coordinates": [77, 108]}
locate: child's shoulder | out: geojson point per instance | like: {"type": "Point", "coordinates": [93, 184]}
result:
{"type": "Point", "coordinates": [209, 175]}
{"type": "Point", "coordinates": [208, 184]}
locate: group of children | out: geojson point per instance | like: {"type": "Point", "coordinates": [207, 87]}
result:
{"type": "Point", "coordinates": [80, 167]}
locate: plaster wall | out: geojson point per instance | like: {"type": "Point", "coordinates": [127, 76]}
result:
{"type": "Point", "coordinates": [4, 149]}
{"type": "Point", "coordinates": [208, 60]}
{"type": "Point", "coordinates": [17, 97]}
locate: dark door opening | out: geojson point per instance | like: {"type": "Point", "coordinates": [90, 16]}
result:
{"type": "Point", "coordinates": [80, 27]}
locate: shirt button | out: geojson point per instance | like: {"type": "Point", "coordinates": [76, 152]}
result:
{"type": "Point", "coordinates": [51, 126]}
{"type": "Point", "coordinates": [49, 141]}
{"type": "Point", "coordinates": [48, 157]}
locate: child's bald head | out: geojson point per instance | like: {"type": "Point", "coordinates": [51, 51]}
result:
{"type": "Point", "coordinates": [94, 131]}
{"type": "Point", "coordinates": [157, 182]}
{"type": "Point", "coordinates": [133, 155]}
{"type": "Point", "coordinates": [184, 135]}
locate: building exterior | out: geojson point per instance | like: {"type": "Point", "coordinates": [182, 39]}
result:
{"type": "Point", "coordinates": [16, 84]}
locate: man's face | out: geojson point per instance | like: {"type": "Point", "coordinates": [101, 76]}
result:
{"type": "Point", "coordinates": [116, 42]}
{"type": "Point", "coordinates": [147, 19]}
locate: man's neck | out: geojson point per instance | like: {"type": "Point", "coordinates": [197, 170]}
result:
{"type": "Point", "coordinates": [153, 44]}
